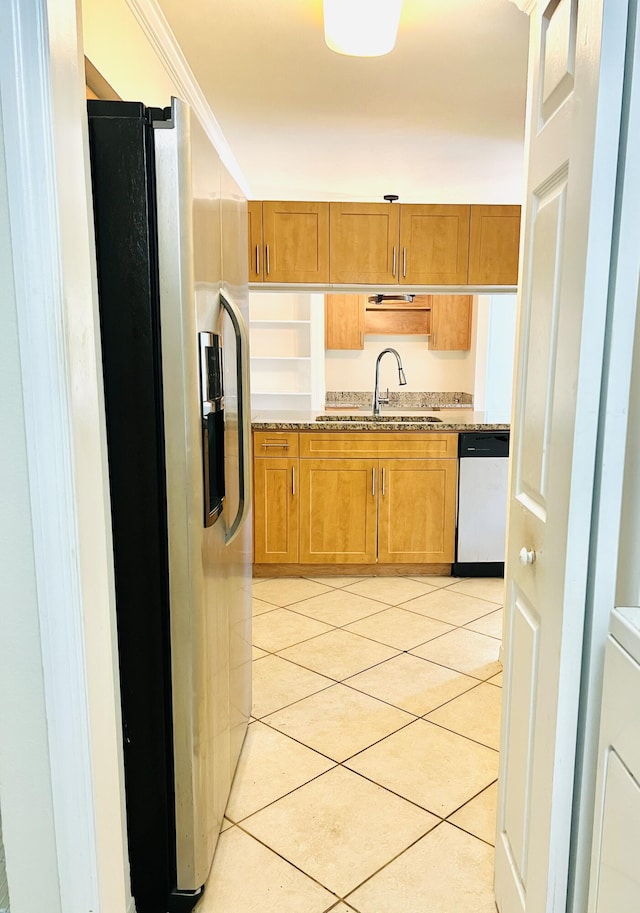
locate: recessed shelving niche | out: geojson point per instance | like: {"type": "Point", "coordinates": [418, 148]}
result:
{"type": "Point", "coordinates": [287, 350]}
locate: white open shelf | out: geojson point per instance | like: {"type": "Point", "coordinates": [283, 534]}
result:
{"type": "Point", "coordinates": [287, 350]}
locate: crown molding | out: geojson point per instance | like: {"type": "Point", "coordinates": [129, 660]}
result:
{"type": "Point", "coordinates": [155, 26]}
{"type": "Point", "coordinates": [527, 6]}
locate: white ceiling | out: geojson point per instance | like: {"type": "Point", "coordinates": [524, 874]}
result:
{"type": "Point", "coordinates": [439, 119]}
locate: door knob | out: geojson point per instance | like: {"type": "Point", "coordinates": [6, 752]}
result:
{"type": "Point", "coordinates": [527, 556]}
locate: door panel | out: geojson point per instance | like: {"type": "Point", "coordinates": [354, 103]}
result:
{"type": "Point", "coordinates": [541, 321]}
{"type": "Point", "coordinates": [338, 511]}
{"type": "Point", "coordinates": [568, 216]}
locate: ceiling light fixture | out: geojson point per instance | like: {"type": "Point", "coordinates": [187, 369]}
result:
{"type": "Point", "coordinates": [361, 28]}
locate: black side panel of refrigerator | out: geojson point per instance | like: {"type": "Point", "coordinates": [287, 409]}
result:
{"type": "Point", "coordinates": [121, 148]}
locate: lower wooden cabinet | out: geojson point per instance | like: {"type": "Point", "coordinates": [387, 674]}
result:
{"type": "Point", "coordinates": [392, 502]}
{"type": "Point", "coordinates": [416, 511]}
{"type": "Point", "coordinates": [337, 511]}
{"type": "Point", "coordinates": [275, 507]}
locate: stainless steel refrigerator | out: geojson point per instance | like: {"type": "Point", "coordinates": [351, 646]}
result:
{"type": "Point", "coordinates": [171, 233]}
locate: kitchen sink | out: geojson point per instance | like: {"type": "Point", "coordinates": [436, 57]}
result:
{"type": "Point", "coordinates": [408, 416]}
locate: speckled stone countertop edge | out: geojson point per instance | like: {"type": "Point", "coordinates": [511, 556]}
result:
{"type": "Point", "coordinates": [472, 421]}
{"type": "Point", "coordinates": [377, 426]}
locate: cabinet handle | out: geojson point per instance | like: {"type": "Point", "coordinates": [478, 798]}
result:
{"type": "Point", "coordinates": [404, 262]}
{"type": "Point", "coordinates": [266, 247]}
{"type": "Point", "coordinates": [258, 259]}
{"type": "Point", "coordinates": [383, 479]}
{"type": "Point", "coordinates": [373, 482]}
{"type": "Point", "coordinates": [293, 480]}
{"type": "Point", "coordinates": [393, 267]}
{"type": "Point", "coordinates": [284, 445]}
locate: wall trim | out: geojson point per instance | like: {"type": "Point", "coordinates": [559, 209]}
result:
{"type": "Point", "coordinates": [527, 6]}
{"type": "Point", "coordinates": [33, 210]}
{"type": "Point", "coordinates": [155, 26]}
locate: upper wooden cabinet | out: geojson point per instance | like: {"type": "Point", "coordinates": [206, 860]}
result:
{"type": "Point", "coordinates": [288, 242]}
{"type": "Point", "coordinates": [390, 244]}
{"type": "Point", "coordinates": [380, 244]}
{"type": "Point", "coordinates": [445, 319]}
{"type": "Point", "coordinates": [364, 243]}
{"type": "Point", "coordinates": [494, 245]}
{"type": "Point", "coordinates": [344, 321]}
{"type": "Point", "coordinates": [434, 245]}
{"type": "Point", "coordinates": [451, 323]}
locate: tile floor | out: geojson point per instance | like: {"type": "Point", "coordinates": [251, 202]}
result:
{"type": "Point", "coordinates": [367, 781]}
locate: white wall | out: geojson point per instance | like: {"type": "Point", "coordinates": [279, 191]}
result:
{"type": "Point", "coordinates": [425, 370]}
{"type": "Point", "coordinates": [495, 354]}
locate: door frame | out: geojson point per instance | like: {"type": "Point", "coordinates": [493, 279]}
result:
{"type": "Point", "coordinates": [75, 717]}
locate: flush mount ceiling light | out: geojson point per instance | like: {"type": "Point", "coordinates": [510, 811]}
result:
{"type": "Point", "coordinates": [361, 28]}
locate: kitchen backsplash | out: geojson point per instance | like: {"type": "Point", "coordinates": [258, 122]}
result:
{"type": "Point", "coordinates": [400, 398]}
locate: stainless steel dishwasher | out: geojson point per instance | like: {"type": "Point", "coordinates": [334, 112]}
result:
{"type": "Point", "coordinates": [482, 503]}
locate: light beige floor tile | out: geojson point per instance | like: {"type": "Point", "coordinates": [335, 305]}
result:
{"type": "Point", "coordinates": [399, 629]}
{"type": "Point", "coordinates": [283, 591]}
{"type": "Point", "coordinates": [270, 766]}
{"type": "Point", "coordinates": [283, 628]}
{"type": "Point", "coordinates": [392, 590]}
{"type": "Point", "coordinates": [475, 714]}
{"type": "Point", "coordinates": [452, 608]}
{"type": "Point", "coordinates": [277, 683]}
{"type": "Point", "coordinates": [226, 824]}
{"type": "Point", "coordinates": [258, 606]}
{"type": "Point", "coordinates": [336, 582]}
{"type": "Point", "coordinates": [447, 871]}
{"type": "Point", "coordinates": [339, 828]}
{"type": "Point", "coordinates": [437, 581]}
{"type": "Point", "coordinates": [411, 683]}
{"type": "Point", "coordinates": [437, 769]}
{"type": "Point", "coordinates": [339, 721]}
{"type": "Point", "coordinates": [463, 650]}
{"type": "Point", "coordinates": [338, 654]}
{"type": "Point", "coordinates": [488, 624]}
{"type": "Point", "coordinates": [247, 877]}
{"type": "Point", "coordinates": [478, 817]}
{"type": "Point", "coordinates": [256, 653]}
{"type": "Point", "coordinates": [338, 607]}
{"type": "Point", "coordinates": [342, 907]}
{"type": "Point", "coordinates": [489, 588]}
{"type": "Point", "coordinates": [496, 680]}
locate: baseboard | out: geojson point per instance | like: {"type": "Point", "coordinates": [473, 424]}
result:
{"type": "Point", "coordinates": [351, 570]}
{"type": "Point", "coordinates": [478, 569]}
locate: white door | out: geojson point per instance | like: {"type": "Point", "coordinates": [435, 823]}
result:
{"type": "Point", "coordinates": [576, 60]}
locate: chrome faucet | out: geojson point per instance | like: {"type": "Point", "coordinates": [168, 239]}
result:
{"type": "Point", "coordinates": [377, 399]}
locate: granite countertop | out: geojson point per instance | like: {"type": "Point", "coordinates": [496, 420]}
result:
{"type": "Point", "coordinates": [455, 419]}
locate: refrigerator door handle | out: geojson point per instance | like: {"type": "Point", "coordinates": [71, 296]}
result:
{"type": "Point", "coordinates": [244, 415]}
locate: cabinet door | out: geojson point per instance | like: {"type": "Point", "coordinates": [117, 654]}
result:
{"type": "Point", "coordinates": [451, 323]}
{"type": "Point", "coordinates": [275, 516]}
{"type": "Point", "coordinates": [344, 321]}
{"type": "Point", "coordinates": [434, 242]}
{"type": "Point", "coordinates": [338, 511]}
{"type": "Point", "coordinates": [364, 243]}
{"type": "Point", "coordinates": [296, 242]}
{"type": "Point", "coordinates": [417, 511]}
{"type": "Point", "coordinates": [494, 245]}
{"type": "Point", "coordinates": [256, 250]}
